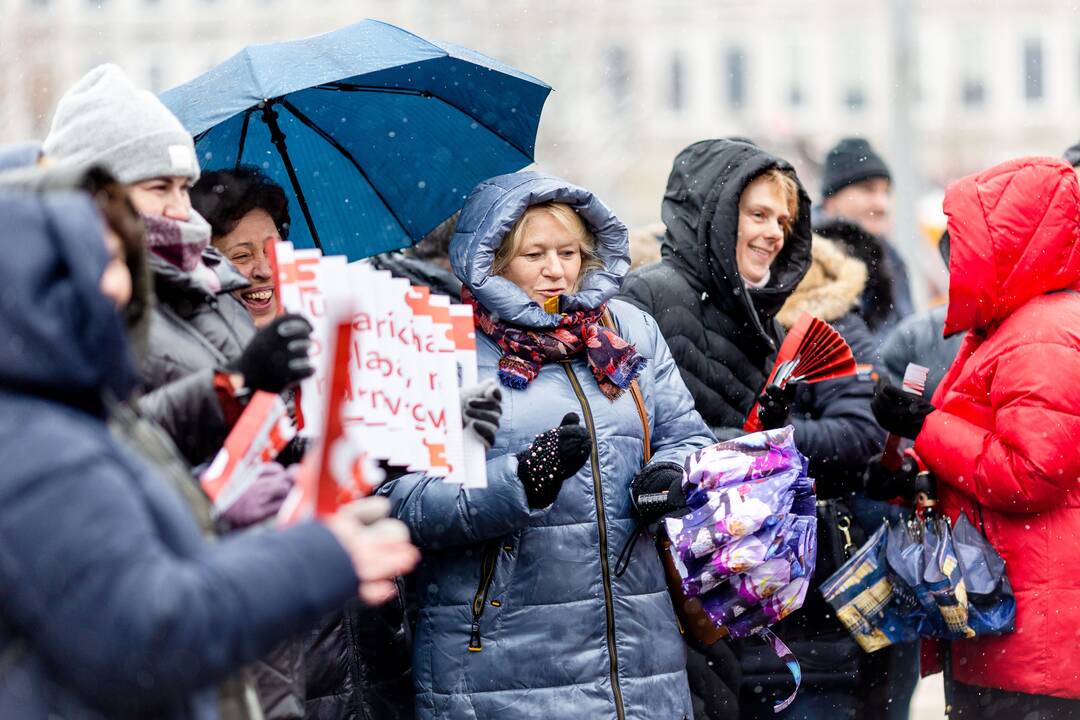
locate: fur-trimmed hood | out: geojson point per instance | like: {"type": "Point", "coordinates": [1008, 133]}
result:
{"type": "Point", "coordinates": [831, 288]}
{"type": "Point", "coordinates": [881, 301]}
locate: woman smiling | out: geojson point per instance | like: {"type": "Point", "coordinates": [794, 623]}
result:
{"type": "Point", "coordinates": [246, 211]}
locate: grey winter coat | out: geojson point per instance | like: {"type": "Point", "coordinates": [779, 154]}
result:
{"type": "Point", "coordinates": [192, 334]}
{"type": "Point", "coordinates": [919, 338]}
{"type": "Point", "coordinates": [557, 635]}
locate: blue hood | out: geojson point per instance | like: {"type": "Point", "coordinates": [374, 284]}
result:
{"type": "Point", "coordinates": [62, 337]}
{"type": "Point", "coordinates": [490, 212]}
{"type": "Point", "coordinates": [19, 155]}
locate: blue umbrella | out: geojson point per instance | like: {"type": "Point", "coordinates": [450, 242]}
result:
{"type": "Point", "coordinates": [376, 134]}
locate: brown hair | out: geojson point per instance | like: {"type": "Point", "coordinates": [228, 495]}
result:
{"type": "Point", "coordinates": [565, 216]}
{"type": "Point", "coordinates": [788, 189]}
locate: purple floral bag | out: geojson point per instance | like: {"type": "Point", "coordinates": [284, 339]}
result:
{"type": "Point", "coordinates": [747, 546]}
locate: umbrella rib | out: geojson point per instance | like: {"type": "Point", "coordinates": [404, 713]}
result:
{"type": "Point", "coordinates": [353, 87]}
{"type": "Point", "coordinates": [347, 155]}
{"type": "Point", "coordinates": [243, 138]}
{"type": "Point", "coordinates": [277, 137]}
{"type": "Point", "coordinates": [349, 87]}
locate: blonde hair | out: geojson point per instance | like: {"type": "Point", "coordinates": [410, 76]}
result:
{"type": "Point", "coordinates": [571, 222]}
{"type": "Point", "coordinates": [786, 187]}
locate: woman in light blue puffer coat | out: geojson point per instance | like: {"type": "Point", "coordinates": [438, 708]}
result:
{"type": "Point", "coordinates": [522, 614]}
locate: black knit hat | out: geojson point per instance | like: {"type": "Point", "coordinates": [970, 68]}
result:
{"type": "Point", "coordinates": [1072, 154]}
{"type": "Point", "coordinates": [852, 160]}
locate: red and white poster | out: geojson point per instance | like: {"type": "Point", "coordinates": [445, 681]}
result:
{"type": "Point", "coordinates": [409, 353]}
{"type": "Point", "coordinates": [336, 470]}
{"type": "Point", "coordinates": [263, 431]}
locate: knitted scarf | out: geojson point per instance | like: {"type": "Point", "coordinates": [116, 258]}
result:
{"type": "Point", "coordinates": [181, 244]}
{"type": "Point", "coordinates": [613, 361]}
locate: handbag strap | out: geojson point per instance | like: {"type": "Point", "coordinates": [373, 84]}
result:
{"type": "Point", "coordinates": [639, 401]}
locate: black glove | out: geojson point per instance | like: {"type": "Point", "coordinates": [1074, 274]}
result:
{"type": "Point", "coordinates": [883, 484]}
{"type": "Point", "coordinates": [553, 456]}
{"type": "Point", "coordinates": [774, 406]}
{"type": "Point", "coordinates": [481, 410]}
{"type": "Point", "coordinates": [899, 412]}
{"type": "Point", "coordinates": [277, 356]}
{"type": "Point", "coordinates": [657, 491]}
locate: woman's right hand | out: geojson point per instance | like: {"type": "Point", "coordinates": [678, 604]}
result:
{"type": "Point", "coordinates": [379, 546]}
{"type": "Point", "coordinates": [552, 457]}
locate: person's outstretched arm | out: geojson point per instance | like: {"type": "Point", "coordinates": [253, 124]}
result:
{"type": "Point", "coordinates": [131, 619]}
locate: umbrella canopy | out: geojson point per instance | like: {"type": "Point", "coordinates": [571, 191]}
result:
{"type": "Point", "coordinates": [376, 135]}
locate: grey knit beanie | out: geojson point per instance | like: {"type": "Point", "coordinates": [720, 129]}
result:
{"type": "Point", "coordinates": [104, 120]}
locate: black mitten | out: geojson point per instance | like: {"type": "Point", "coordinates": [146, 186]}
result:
{"type": "Point", "coordinates": [774, 406]}
{"type": "Point", "coordinates": [899, 412]}
{"type": "Point", "coordinates": [553, 456]}
{"type": "Point", "coordinates": [884, 484]}
{"type": "Point", "coordinates": [657, 491]}
{"type": "Point", "coordinates": [277, 356]}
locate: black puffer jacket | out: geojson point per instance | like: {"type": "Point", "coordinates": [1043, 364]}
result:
{"type": "Point", "coordinates": [192, 334]}
{"type": "Point", "coordinates": [721, 334]}
{"type": "Point", "coordinates": [357, 665]}
{"type": "Point", "coordinates": [834, 426]}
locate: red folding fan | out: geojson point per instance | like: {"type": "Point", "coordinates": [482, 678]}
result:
{"type": "Point", "coordinates": [812, 351]}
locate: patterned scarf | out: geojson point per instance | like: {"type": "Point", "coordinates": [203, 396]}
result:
{"type": "Point", "coordinates": [613, 361]}
{"type": "Point", "coordinates": [181, 244]}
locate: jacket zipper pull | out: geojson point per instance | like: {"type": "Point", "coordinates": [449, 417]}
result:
{"type": "Point", "coordinates": [474, 637]}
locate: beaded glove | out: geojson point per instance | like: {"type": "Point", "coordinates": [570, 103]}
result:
{"type": "Point", "coordinates": [553, 456]}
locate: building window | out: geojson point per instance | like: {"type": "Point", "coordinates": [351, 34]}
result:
{"type": "Point", "coordinates": [855, 98]}
{"type": "Point", "coordinates": [1033, 70]}
{"type": "Point", "coordinates": [677, 95]}
{"type": "Point", "coordinates": [970, 53]}
{"type": "Point", "coordinates": [851, 71]}
{"type": "Point", "coordinates": [796, 94]}
{"type": "Point", "coordinates": [973, 92]}
{"type": "Point", "coordinates": [735, 65]}
{"type": "Point", "coordinates": [155, 78]}
{"type": "Point", "coordinates": [617, 76]}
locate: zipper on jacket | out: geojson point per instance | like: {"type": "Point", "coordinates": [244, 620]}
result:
{"type": "Point", "coordinates": [487, 573]}
{"type": "Point", "coordinates": [601, 522]}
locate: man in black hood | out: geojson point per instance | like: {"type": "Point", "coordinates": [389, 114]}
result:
{"type": "Point", "coordinates": [736, 245]}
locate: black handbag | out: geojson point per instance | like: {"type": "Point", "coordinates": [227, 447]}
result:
{"type": "Point", "coordinates": [838, 537]}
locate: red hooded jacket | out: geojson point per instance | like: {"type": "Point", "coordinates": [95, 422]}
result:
{"type": "Point", "coordinates": [1003, 439]}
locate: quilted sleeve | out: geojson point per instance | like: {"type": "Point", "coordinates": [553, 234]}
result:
{"type": "Point", "coordinates": [1028, 462]}
{"type": "Point", "coordinates": [441, 515]}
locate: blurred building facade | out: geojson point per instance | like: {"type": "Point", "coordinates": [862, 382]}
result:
{"type": "Point", "coordinates": [636, 80]}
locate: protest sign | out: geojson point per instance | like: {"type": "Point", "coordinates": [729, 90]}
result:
{"type": "Point", "coordinates": [409, 354]}
{"type": "Point", "coordinates": [336, 470]}
{"type": "Point", "coordinates": [475, 452]}
{"type": "Point", "coordinates": [263, 430]}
